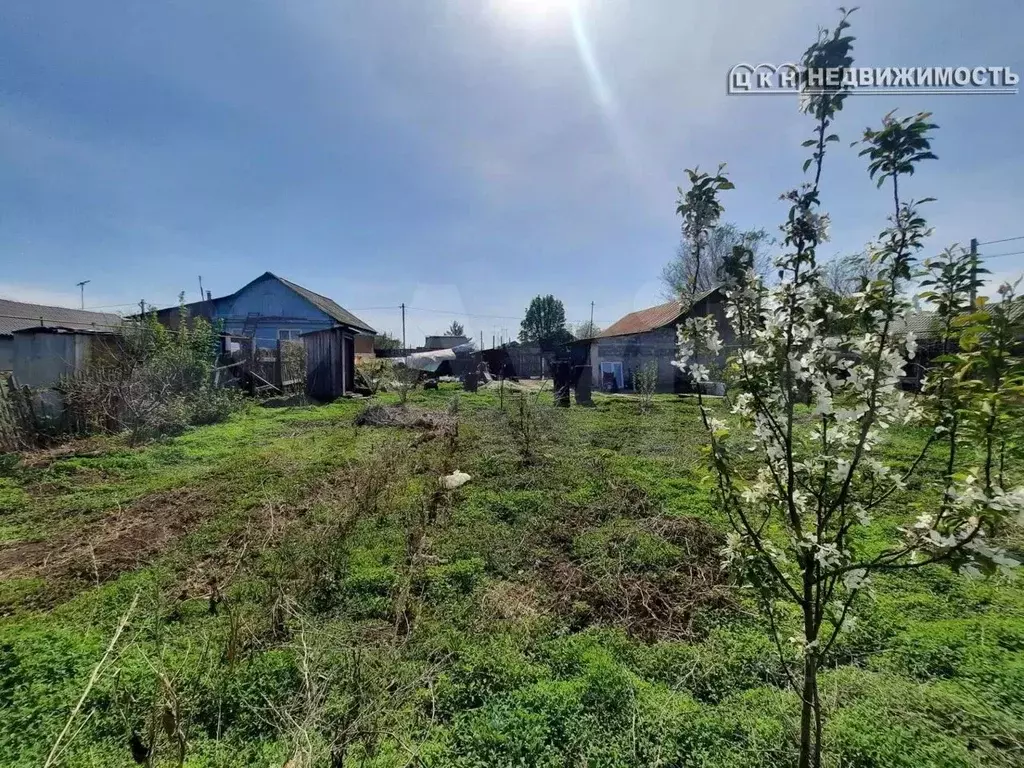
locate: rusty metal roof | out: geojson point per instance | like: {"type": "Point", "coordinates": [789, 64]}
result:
{"type": "Point", "coordinates": [652, 318]}
{"type": "Point", "coordinates": [644, 320]}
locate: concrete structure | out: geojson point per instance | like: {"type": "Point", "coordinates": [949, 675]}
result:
{"type": "Point", "coordinates": [649, 335]}
{"type": "Point", "coordinates": [270, 309]}
{"type": "Point", "coordinates": [15, 315]}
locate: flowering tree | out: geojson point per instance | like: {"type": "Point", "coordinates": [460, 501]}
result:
{"type": "Point", "coordinates": [799, 520]}
{"type": "Point", "coordinates": [700, 210]}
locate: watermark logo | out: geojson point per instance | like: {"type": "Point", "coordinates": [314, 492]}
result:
{"type": "Point", "coordinates": [871, 81]}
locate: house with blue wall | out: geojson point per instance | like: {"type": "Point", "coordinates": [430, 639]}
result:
{"type": "Point", "coordinates": [270, 309]}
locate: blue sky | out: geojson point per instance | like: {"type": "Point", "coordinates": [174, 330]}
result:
{"type": "Point", "coordinates": [456, 155]}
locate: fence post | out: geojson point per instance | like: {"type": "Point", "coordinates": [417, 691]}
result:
{"type": "Point", "coordinates": [278, 368]}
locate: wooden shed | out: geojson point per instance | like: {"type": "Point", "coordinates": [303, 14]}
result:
{"type": "Point", "coordinates": [330, 362]}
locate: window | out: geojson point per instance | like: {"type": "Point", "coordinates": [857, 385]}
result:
{"type": "Point", "coordinates": [288, 334]}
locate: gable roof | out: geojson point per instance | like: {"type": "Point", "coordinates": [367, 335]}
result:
{"type": "Point", "coordinates": [328, 306]}
{"type": "Point", "coordinates": [652, 318]}
{"type": "Point", "coordinates": [16, 315]}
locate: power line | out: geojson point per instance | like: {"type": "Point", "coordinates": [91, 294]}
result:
{"type": "Point", "coordinates": [1004, 240]}
{"type": "Point", "coordinates": [463, 314]}
{"type": "Point", "coordinates": [105, 306]}
{"type": "Point", "coordinates": [997, 255]}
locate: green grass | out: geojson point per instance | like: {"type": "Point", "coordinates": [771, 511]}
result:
{"type": "Point", "coordinates": [357, 609]}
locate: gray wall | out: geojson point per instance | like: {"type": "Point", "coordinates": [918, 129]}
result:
{"type": "Point", "coordinates": [636, 351]}
{"type": "Point", "coordinates": [40, 359]}
{"type": "Point", "coordinates": [658, 345]}
{"type": "Point", "coordinates": [6, 353]}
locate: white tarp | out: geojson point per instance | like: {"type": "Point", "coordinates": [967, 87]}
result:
{"type": "Point", "coordinates": [431, 360]}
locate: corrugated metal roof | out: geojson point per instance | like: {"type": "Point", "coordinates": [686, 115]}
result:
{"type": "Point", "coordinates": [15, 315]}
{"type": "Point", "coordinates": [649, 319]}
{"type": "Point", "coordinates": [61, 330]}
{"type": "Point", "coordinates": [327, 306]}
{"type": "Point", "coordinates": [923, 324]}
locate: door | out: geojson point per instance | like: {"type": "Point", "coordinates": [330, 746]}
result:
{"type": "Point", "coordinates": [614, 368]}
{"type": "Point", "coordinates": [348, 356]}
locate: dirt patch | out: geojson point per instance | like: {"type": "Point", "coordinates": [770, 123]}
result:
{"type": "Point", "coordinates": [511, 602]}
{"type": "Point", "coordinates": [89, 447]}
{"type": "Point", "coordinates": [122, 541]}
{"type": "Point", "coordinates": [296, 400]}
{"type": "Point", "coordinates": [407, 416]}
{"type": "Point", "coordinates": [651, 602]}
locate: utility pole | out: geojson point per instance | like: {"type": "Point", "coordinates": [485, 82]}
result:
{"type": "Point", "coordinates": [81, 286]}
{"type": "Point", "coordinates": [590, 330]}
{"type": "Point", "coordinates": [481, 341]}
{"type": "Point", "coordinates": [202, 296]}
{"type": "Point", "coordinates": [403, 328]}
{"type": "Point", "coordinates": [142, 307]}
{"type": "Point", "coordinates": [974, 271]}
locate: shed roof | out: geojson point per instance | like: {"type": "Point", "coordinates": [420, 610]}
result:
{"type": "Point", "coordinates": [60, 330]}
{"type": "Point", "coordinates": [15, 315]}
{"type": "Point", "coordinates": [652, 318]}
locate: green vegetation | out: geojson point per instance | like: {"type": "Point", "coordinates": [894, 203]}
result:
{"type": "Point", "coordinates": [307, 593]}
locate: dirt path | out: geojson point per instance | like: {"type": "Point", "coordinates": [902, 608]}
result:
{"type": "Point", "coordinates": [121, 541]}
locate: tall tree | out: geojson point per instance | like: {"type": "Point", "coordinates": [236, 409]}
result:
{"type": "Point", "coordinates": [455, 329]}
{"type": "Point", "coordinates": [844, 275]}
{"type": "Point", "coordinates": [386, 341]}
{"type": "Point", "coordinates": [695, 269]}
{"type": "Point", "coordinates": [544, 322]}
{"type": "Point", "coordinates": [585, 330]}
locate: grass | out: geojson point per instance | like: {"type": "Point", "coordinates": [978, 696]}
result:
{"type": "Point", "coordinates": [307, 594]}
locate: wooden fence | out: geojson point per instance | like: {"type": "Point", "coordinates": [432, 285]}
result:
{"type": "Point", "coordinates": [259, 370]}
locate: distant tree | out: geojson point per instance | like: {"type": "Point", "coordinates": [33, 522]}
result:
{"type": "Point", "coordinates": [455, 329]}
{"type": "Point", "coordinates": [844, 275]}
{"type": "Point", "coordinates": [698, 269]}
{"type": "Point", "coordinates": [544, 322]}
{"type": "Point", "coordinates": [585, 330]}
{"type": "Point", "coordinates": [386, 341]}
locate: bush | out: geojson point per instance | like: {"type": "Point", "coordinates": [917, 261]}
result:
{"type": "Point", "coordinates": [376, 373]}
{"type": "Point", "coordinates": [149, 381]}
{"type": "Point", "coordinates": [645, 384]}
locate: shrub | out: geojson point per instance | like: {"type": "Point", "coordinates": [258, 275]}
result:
{"type": "Point", "coordinates": [376, 372]}
{"type": "Point", "coordinates": [149, 381]}
{"type": "Point", "coordinates": [645, 383]}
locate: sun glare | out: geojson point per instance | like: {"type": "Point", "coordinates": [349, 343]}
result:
{"type": "Point", "coordinates": [534, 15]}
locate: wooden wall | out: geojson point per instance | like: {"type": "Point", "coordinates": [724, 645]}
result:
{"type": "Point", "coordinates": [330, 363]}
